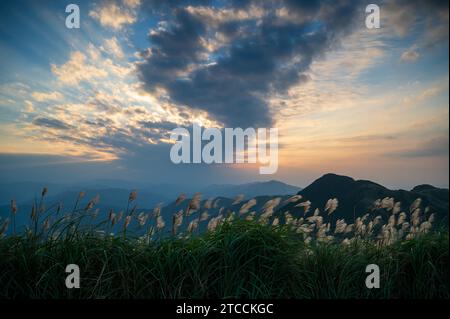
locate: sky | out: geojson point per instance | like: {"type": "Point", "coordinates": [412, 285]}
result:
{"type": "Point", "coordinates": [98, 102]}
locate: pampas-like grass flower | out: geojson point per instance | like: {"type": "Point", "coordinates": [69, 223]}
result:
{"type": "Point", "coordinates": [112, 219]}
{"type": "Point", "coordinates": [250, 216]}
{"type": "Point", "coordinates": [432, 218]}
{"type": "Point", "coordinates": [81, 195]}
{"type": "Point", "coordinates": [425, 227]}
{"type": "Point", "coordinates": [387, 203]}
{"type": "Point", "coordinates": [319, 221]}
{"type": "Point", "coordinates": [331, 205]}
{"type": "Point", "coordinates": [178, 218]}
{"type": "Point", "coordinates": [340, 226]}
{"type": "Point", "coordinates": [194, 204]}
{"type": "Point", "coordinates": [416, 204]}
{"type": "Point", "coordinates": [288, 219]}
{"type": "Point", "coordinates": [13, 207]}
{"type": "Point", "coordinates": [192, 226]}
{"type": "Point", "coordinates": [246, 207]}
{"type": "Point", "coordinates": [391, 221]}
{"type": "Point", "coordinates": [127, 222]}
{"type": "Point", "coordinates": [397, 208]}
{"type": "Point", "coordinates": [276, 221]}
{"type": "Point", "coordinates": [142, 219]}
{"type": "Point", "coordinates": [33, 212]}
{"type": "Point", "coordinates": [204, 216]}
{"type": "Point", "coordinates": [119, 216]}
{"type": "Point", "coordinates": [208, 203]}
{"type": "Point", "coordinates": [377, 204]}
{"type": "Point", "coordinates": [132, 197]}
{"type": "Point", "coordinates": [268, 209]}
{"type": "Point", "coordinates": [4, 227]}
{"type": "Point", "coordinates": [111, 215]}
{"type": "Point", "coordinates": [89, 205]}
{"type": "Point", "coordinates": [377, 220]}
{"type": "Point", "coordinates": [370, 227]}
{"type": "Point", "coordinates": [160, 224]}
{"type": "Point", "coordinates": [46, 224]}
{"type": "Point", "coordinates": [272, 203]}
{"type": "Point", "coordinates": [349, 228]}
{"type": "Point", "coordinates": [401, 218]}
{"type": "Point", "coordinates": [94, 201]}
{"type": "Point", "coordinates": [180, 199]}
{"type": "Point", "coordinates": [239, 198]}
{"type": "Point", "coordinates": [293, 199]}
{"type": "Point", "coordinates": [212, 224]}
{"type": "Point", "coordinates": [157, 211]}
{"type": "Point", "coordinates": [415, 217]}
{"type": "Point", "coordinates": [306, 205]}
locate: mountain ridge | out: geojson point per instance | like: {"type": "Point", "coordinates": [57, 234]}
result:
{"type": "Point", "coordinates": [357, 196]}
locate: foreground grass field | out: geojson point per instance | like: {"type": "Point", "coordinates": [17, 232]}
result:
{"type": "Point", "coordinates": [239, 259]}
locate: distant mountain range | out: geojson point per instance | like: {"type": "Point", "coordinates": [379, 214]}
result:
{"type": "Point", "coordinates": [356, 197]}
{"type": "Point", "coordinates": [269, 188]}
{"type": "Point", "coordinates": [116, 197]}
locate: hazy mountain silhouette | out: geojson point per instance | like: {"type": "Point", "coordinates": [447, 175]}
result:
{"type": "Point", "coordinates": [116, 197]}
{"type": "Point", "coordinates": [269, 188]}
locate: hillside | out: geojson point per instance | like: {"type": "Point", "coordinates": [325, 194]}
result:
{"type": "Point", "coordinates": [357, 196]}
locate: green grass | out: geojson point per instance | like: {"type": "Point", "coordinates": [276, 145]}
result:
{"type": "Point", "coordinates": [242, 259]}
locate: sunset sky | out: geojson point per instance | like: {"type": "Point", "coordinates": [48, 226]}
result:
{"type": "Point", "coordinates": [97, 102]}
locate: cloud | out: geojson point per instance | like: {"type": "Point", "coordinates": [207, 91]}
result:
{"type": "Point", "coordinates": [47, 96]}
{"type": "Point", "coordinates": [435, 147]}
{"type": "Point", "coordinates": [50, 123]}
{"type": "Point", "coordinates": [259, 54]}
{"type": "Point", "coordinates": [132, 3]}
{"type": "Point", "coordinates": [410, 55]}
{"type": "Point", "coordinates": [427, 21]}
{"type": "Point", "coordinates": [44, 168]}
{"type": "Point", "coordinates": [163, 125]}
{"type": "Point", "coordinates": [433, 91]}
{"type": "Point", "coordinates": [115, 16]}
{"type": "Point", "coordinates": [29, 107]}
{"type": "Point", "coordinates": [113, 47]}
{"type": "Point", "coordinates": [76, 70]}
{"type": "Point", "coordinates": [427, 92]}
{"type": "Point", "coordinates": [402, 16]}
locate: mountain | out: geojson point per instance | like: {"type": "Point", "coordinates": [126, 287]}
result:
{"type": "Point", "coordinates": [22, 191]}
{"type": "Point", "coordinates": [109, 198]}
{"type": "Point", "coordinates": [356, 197]}
{"type": "Point", "coordinates": [116, 197]}
{"type": "Point", "coordinates": [269, 188]}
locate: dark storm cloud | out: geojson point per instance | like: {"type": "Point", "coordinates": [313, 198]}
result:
{"type": "Point", "coordinates": [173, 50]}
{"type": "Point", "coordinates": [50, 123]}
{"type": "Point", "coordinates": [264, 55]}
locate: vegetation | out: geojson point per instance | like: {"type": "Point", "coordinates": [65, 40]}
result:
{"type": "Point", "coordinates": [254, 256]}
